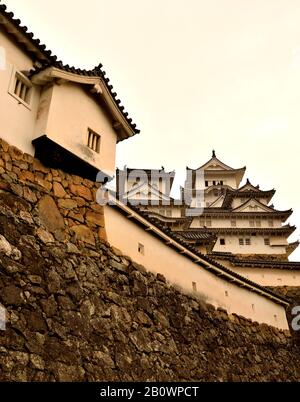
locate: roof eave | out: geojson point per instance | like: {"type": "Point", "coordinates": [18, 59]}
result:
{"type": "Point", "coordinates": [292, 247]}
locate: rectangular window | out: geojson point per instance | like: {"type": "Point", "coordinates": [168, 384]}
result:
{"type": "Point", "coordinates": [267, 242]}
{"type": "Point", "coordinates": [241, 242]}
{"type": "Point", "coordinates": [206, 183]}
{"type": "Point", "coordinates": [251, 223]}
{"type": "Point", "coordinates": [94, 140]}
{"type": "Point", "coordinates": [205, 221]}
{"type": "Point", "coordinates": [233, 223]}
{"type": "Point", "coordinates": [194, 286]}
{"type": "Point", "coordinates": [248, 242]}
{"type": "Point", "coordinates": [208, 221]}
{"type": "Point", "coordinates": [169, 213]}
{"type": "Point", "coordinates": [221, 182]}
{"type": "Point", "coordinates": [141, 248]}
{"type": "Point", "coordinates": [258, 223]}
{"type": "Point", "coordinates": [222, 242]}
{"type": "Point", "coordinates": [271, 223]}
{"type": "Point", "coordinates": [20, 88]}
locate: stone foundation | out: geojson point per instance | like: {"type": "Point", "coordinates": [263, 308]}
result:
{"type": "Point", "coordinates": [65, 204]}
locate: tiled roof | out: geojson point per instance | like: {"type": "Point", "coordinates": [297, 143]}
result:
{"type": "Point", "coordinates": [231, 194]}
{"type": "Point", "coordinates": [221, 254]}
{"type": "Point", "coordinates": [232, 212]}
{"type": "Point", "coordinates": [189, 235]}
{"type": "Point", "coordinates": [290, 265]}
{"type": "Point", "coordinates": [286, 229]}
{"type": "Point", "coordinates": [276, 264]}
{"type": "Point", "coordinates": [249, 262]}
{"type": "Point", "coordinates": [47, 59]}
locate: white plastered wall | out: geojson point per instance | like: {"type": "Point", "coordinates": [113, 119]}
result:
{"type": "Point", "coordinates": [65, 117]}
{"type": "Point", "coordinates": [269, 276]}
{"type": "Point", "coordinates": [257, 245]}
{"type": "Point", "coordinates": [17, 120]}
{"type": "Point", "coordinates": [126, 235]}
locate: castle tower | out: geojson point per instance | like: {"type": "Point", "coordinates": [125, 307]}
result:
{"type": "Point", "coordinates": [241, 217]}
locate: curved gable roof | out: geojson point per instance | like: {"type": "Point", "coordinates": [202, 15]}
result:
{"type": "Point", "coordinates": [216, 164]}
{"type": "Point", "coordinates": [248, 186]}
{"type": "Point", "coordinates": [149, 189]}
{"type": "Point", "coordinates": [262, 207]}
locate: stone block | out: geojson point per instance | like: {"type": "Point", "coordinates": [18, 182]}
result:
{"type": "Point", "coordinates": [83, 233]}
{"type": "Point", "coordinates": [49, 214]}
{"type": "Point", "coordinates": [95, 218]}
{"type": "Point", "coordinates": [81, 191]}
{"type": "Point", "coordinates": [45, 236]}
{"type": "Point", "coordinates": [15, 153]}
{"type": "Point", "coordinates": [67, 204]}
{"type": "Point", "coordinates": [59, 190]}
{"type": "Point", "coordinates": [39, 167]}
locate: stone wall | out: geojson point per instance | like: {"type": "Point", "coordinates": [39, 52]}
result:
{"type": "Point", "coordinates": [262, 257]}
{"type": "Point", "coordinates": [293, 294]}
{"type": "Point", "coordinates": [79, 310]}
{"type": "Point", "coordinates": [64, 204]}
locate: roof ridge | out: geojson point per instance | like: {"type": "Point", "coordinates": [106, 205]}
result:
{"type": "Point", "coordinates": [29, 35]}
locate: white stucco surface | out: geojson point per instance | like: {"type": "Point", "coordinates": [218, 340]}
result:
{"type": "Point", "coordinates": [158, 257]}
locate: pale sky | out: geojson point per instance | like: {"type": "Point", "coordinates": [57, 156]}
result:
{"type": "Point", "coordinates": [194, 75]}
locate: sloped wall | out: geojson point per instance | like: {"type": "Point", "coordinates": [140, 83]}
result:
{"type": "Point", "coordinates": [66, 204]}
{"type": "Point", "coordinates": [90, 314]}
{"type": "Point", "coordinates": [79, 310]}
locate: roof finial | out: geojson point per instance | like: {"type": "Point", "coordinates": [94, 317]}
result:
{"type": "Point", "coordinates": [213, 153]}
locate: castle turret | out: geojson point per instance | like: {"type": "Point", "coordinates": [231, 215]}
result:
{"type": "Point", "coordinates": [69, 118]}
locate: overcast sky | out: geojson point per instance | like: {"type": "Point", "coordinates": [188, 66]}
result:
{"type": "Point", "coordinates": [194, 75]}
